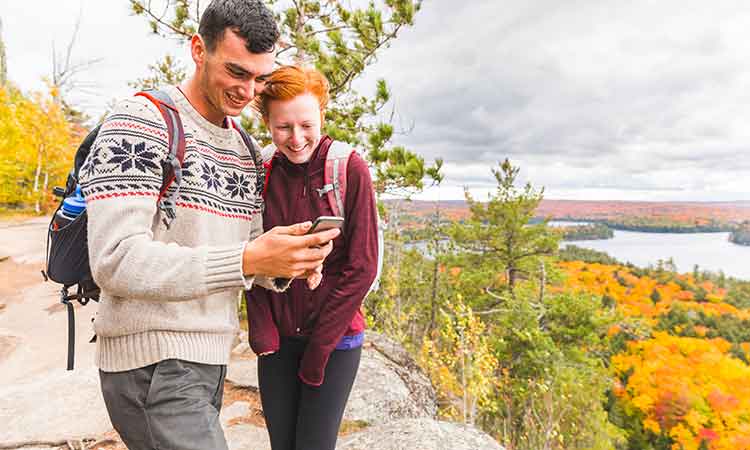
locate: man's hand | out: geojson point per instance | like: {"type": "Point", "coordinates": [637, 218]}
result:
{"type": "Point", "coordinates": [287, 251]}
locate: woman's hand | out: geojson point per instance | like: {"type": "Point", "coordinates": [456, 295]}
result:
{"type": "Point", "coordinates": [314, 278]}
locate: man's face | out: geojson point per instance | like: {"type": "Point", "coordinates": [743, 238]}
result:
{"type": "Point", "coordinates": [229, 76]}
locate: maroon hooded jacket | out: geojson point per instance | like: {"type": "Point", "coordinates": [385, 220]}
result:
{"type": "Point", "coordinates": [331, 311]}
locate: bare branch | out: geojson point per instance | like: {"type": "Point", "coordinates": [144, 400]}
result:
{"type": "Point", "coordinates": [64, 70]}
{"type": "Point", "coordinates": [495, 296]}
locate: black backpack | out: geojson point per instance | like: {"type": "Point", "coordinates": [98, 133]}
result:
{"type": "Point", "coordinates": [67, 246]}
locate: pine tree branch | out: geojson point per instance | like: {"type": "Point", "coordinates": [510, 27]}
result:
{"type": "Point", "coordinates": [160, 20]}
{"type": "Point", "coordinates": [367, 55]}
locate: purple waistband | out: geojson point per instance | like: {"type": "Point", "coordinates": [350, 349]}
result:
{"type": "Point", "coordinates": [350, 342]}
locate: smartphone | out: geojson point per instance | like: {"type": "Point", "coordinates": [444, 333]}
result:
{"type": "Point", "coordinates": [323, 223]}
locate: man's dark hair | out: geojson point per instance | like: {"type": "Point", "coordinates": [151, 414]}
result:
{"type": "Point", "coordinates": [250, 19]}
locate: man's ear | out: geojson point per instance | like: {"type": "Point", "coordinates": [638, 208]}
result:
{"type": "Point", "coordinates": [198, 50]}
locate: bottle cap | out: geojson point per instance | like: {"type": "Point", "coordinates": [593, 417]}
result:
{"type": "Point", "coordinates": [75, 204]}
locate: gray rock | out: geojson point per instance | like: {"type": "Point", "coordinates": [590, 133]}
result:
{"type": "Point", "coordinates": [236, 409]}
{"type": "Point", "coordinates": [242, 349]}
{"type": "Point", "coordinates": [54, 407]}
{"type": "Point", "coordinates": [419, 434]}
{"type": "Point", "coordinates": [243, 372]}
{"type": "Point", "coordinates": [390, 385]}
{"type": "Point", "coordinates": [247, 437]}
{"type": "Point", "coordinates": [239, 339]}
{"type": "Point", "coordinates": [379, 395]}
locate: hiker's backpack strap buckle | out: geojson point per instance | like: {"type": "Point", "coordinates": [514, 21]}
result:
{"type": "Point", "coordinates": [326, 189]}
{"type": "Point", "coordinates": [172, 167]}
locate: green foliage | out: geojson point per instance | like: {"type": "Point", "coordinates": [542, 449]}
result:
{"type": "Point", "coordinates": [528, 368]}
{"type": "Point", "coordinates": [741, 235]}
{"type": "Point", "coordinates": [498, 234]}
{"type": "Point", "coordinates": [738, 294]}
{"type": "Point", "coordinates": [652, 224]}
{"type": "Point", "coordinates": [585, 232]}
{"type": "Point", "coordinates": [165, 72]}
{"type": "Point", "coordinates": [682, 322]}
{"type": "Point", "coordinates": [553, 384]}
{"type": "Point", "coordinates": [340, 40]}
{"type": "Point", "coordinates": [575, 253]}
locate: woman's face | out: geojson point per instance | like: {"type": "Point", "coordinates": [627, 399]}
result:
{"type": "Point", "coordinates": [295, 126]}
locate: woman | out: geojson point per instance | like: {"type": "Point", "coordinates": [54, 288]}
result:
{"type": "Point", "coordinates": [309, 341]}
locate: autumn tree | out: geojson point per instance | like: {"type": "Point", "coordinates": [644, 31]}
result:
{"type": "Point", "coordinates": [36, 148]}
{"type": "Point", "coordinates": [461, 363]}
{"type": "Point", "coordinates": [340, 40]}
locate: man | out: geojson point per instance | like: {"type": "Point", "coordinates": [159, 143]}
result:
{"type": "Point", "coordinates": [167, 315]}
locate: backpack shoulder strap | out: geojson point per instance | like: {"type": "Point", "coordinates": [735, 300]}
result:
{"type": "Point", "coordinates": [267, 156]}
{"type": "Point", "coordinates": [172, 166]}
{"type": "Point", "coordinates": [255, 152]}
{"type": "Point", "coordinates": [334, 176]}
{"type": "Point", "coordinates": [267, 153]}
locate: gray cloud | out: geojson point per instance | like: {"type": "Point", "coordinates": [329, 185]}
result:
{"type": "Point", "coordinates": [593, 99]}
{"type": "Point", "coordinates": [618, 96]}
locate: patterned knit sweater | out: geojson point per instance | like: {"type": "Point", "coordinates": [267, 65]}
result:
{"type": "Point", "coordinates": [167, 293]}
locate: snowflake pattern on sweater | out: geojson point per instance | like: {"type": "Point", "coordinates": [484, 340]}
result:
{"type": "Point", "coordinates": [128, 158]}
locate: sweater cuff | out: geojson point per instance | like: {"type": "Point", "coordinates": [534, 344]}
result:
{"type": "Point", "coordinates": [313, 365]}
{"type": "Point", "coordinates": [273, 284]}
{"type": "Point", "coordinates": [224, 268]}
{"type": "Point", "coordinates": [265, 340]}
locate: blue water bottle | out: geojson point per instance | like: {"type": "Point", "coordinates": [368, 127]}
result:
{"type": "Point", "coordinates": [71, 208]}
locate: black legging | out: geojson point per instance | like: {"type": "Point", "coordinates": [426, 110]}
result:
{"type": "Point", "coordinates": [298, 416]}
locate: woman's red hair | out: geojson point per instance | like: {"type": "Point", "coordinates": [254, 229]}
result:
{"type": "Point", "coordinates": [287, 82]}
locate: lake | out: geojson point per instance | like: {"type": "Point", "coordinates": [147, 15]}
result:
{"type": "Point", "coordinates": [711, 251]}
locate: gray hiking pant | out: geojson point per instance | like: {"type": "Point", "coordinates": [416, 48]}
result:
{"type": "Point", "coordinates": [170, 405]}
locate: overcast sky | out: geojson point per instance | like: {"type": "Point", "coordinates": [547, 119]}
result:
{"type": "Point", "coordinates": [636, 100]}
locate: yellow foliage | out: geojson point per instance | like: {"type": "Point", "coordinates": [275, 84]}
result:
{"type": "Point", "coordinates": [460, 362]}
{"type": "Point", "coordinates": [37, 145]}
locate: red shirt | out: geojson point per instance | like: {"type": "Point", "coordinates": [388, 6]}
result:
{"type": "Point", "coordinates": [332, 310]}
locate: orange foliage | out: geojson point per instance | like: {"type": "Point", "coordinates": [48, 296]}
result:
{"type": "Point", "coordinates": [690, 389]}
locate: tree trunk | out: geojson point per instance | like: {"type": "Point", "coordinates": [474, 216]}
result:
{"type": "Point", "coordinates": [542, 281]}
{"type": "Point", "coordinates": [37, 174]}
{"type": "Point", "coordinates": [3, 60]}
{"type": "Point", "coordinates": [435, 271]}
{"type": "Point", "coordinates": [463, 377]}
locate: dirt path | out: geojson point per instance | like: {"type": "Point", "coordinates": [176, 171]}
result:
{"type": "Point", "coordinates": [33, 324]}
